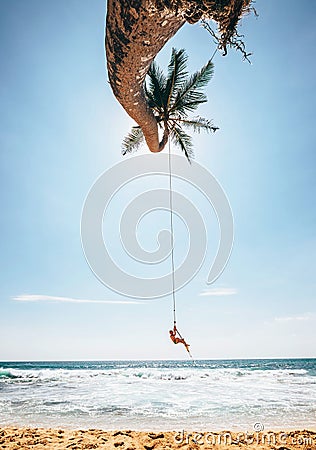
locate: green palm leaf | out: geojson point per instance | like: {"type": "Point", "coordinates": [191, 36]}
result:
{"type": "Point", "coordinates": [177, 74]}
{"type": "Point", "coordinates": [199, 124]}
{"type": "Point", "coordinates": [150, 98]}
{"type": "Point", "coordinates": [133, 140]}
{"type": "Point", "coordinates": [181, 139]}
{"type": "Point", "coordinates": [189, 96]}
{"type": "Point", "coordinates": [184, 106]}
{"type": "Point", "coordinates": [156, 86]}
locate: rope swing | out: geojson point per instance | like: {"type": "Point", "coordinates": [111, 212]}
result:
{"type": "Point", "coordinates": [175, 331]}
{"type": "Point", "coordinates": [175, 334]}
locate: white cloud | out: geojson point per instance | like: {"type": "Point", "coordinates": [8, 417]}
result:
{"type": "Point", "coordinates": [299, 318]}
{"type": "Point", "coordinates": [51, 298]}
{"type": "Point", "coordinates": [219, 292]}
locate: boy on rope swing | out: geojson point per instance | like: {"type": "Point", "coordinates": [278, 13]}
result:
{"type": "Point", "coordinates": [177, 340]}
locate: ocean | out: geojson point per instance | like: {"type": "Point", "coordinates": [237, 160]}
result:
{"type": "Point", "coordinates": [160, 395]}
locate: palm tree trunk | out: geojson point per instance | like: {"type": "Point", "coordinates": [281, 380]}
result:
{"type": "Point", "coordinates": [165, 137]}
{"type": "Point", "coordinates": [135, 32]}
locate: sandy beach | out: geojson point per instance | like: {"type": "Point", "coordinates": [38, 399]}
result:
{"type": "Point", "coordinates": [54, 439]}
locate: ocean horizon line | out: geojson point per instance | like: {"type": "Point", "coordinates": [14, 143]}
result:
{"type": "Point", "coordinates": [259, 358]}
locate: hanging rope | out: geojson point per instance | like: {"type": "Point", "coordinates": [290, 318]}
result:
{"type": "Point", "coordinates": [172, 251]}
{"type": "Point", "coordinates": [215, 51]}
{"type": "Point", "coordinates": [172, 237]}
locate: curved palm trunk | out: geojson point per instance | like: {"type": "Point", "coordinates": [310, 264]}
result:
{"type": "Point", "coordinates": [136, 30]}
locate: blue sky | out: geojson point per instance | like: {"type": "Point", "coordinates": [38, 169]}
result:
{"type": "Point", "coordinates": [60, 128]}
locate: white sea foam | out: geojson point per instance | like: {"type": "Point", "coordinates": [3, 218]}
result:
{"type": "Point", "coordinates": [158, 397]}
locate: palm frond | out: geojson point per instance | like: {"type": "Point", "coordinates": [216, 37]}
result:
{"type": "Point", "coordinates": [199, 124]}
{"type": "Point", "coordinates": [182, 140]}
{"type": "Point", "coordinates": [190, 95]}
{"type": "Point", "coordinates": [184, 106]}
{"type": "Point", "coordinates": [200, 78]}
{"type": "Point", "coordinates": [177, 74]}
{"type": "Point", "coordinates": [156, 85]}
{"type": "Point", "coordinates": [150, 98]}
{"type": "Point", "coordinates": [133, 140]}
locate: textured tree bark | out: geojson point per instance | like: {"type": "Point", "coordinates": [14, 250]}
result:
{"type": "Point", "coordinates": [136, 30]}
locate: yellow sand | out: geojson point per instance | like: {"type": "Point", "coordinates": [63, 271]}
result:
{"type": "Point", "coordinates": [39, 438]}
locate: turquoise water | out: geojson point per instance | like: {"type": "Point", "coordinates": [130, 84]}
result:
{"type": "Point", "coordinates": [228, 394]}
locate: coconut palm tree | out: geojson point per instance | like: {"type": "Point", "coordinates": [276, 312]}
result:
{"type": "Point", "coordinates": [171, 98]}
{"type": "Point", "coordinates": [135, 33]}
